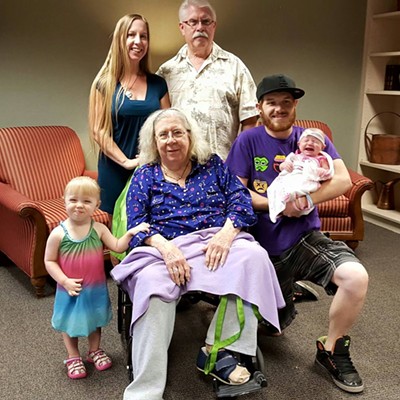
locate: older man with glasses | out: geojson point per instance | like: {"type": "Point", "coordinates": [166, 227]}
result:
{"type": "Point", "coordinates": [210, 84]}
{"type": "Point", "coordinates": [214, 87]}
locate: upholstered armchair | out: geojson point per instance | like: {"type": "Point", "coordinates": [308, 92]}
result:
{"type": "Point", "coordinates": [342, 217]}
{"type": "Point", "coordinates": [35, 165]}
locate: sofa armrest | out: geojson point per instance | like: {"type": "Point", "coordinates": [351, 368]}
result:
{"type": "Point", "coordinates": [15, 201]}
{"type": "Point", "coordinates": [354, 194]}
{"type": "Point", "coordinates": [20, 206]}
{"type": "Point", "coordinates": [20, 214]}
{"type": "Point", "coordinates": [360, 184]}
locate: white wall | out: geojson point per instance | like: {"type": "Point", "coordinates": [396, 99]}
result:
{"type": "Point", "coordinates": [51, 50]}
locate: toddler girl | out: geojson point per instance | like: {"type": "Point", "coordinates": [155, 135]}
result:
{"type": "Point", "coordinates": [74, 259]}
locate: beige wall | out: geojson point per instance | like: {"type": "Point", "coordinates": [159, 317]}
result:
{"type": "Point", "coordinates": [51, 50]}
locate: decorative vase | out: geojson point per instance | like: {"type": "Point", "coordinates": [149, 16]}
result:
{"type": "Point", "coordinates": [386, 194]}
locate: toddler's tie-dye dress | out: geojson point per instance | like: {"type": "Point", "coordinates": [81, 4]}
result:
{"type": "Point", "coordinates": [80, 315]}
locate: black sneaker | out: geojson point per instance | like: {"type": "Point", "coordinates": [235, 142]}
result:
{"type": "Point", "coordinates": [339, 365]}
{"type": "Point", "coordinates": [302, 292]}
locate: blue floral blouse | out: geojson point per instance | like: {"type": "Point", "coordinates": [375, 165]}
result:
{"type": "Point", "coordinates": [212, 194]}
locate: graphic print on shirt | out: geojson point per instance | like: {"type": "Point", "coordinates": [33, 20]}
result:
{"type": "Point", "coordinates": [260, 186]}
{"type": "Point", "coordinates": [278, 160]}
{"type": "Point", "coordinates": [260, 165]}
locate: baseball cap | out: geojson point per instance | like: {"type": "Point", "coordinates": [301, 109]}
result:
{"type": "Point", "coordinates": [278, 83]}
{"type": "Point", "coordinates": [317, 133]}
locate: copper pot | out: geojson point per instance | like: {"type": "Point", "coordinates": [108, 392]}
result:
{"type": "Point", "coordinates": [386, 194]}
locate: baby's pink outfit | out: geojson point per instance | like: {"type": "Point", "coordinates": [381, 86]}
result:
{"type": "Point", "coordinates": [304, 179]}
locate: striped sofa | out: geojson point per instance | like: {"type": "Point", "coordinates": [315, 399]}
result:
{"type": "Point", "coordinates": [35, 165]}
{"type": "Point", "coordinates": [342, 217]}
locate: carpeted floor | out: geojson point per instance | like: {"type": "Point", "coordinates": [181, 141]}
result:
{"type": "Point", "coordinates": [32, 354]}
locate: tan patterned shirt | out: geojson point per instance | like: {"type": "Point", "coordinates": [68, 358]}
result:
{"type": "Point", "coordinates": [218, 96]}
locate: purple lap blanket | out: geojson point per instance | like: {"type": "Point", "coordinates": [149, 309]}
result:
{"type": "Point", "coordinates": [247, 273]}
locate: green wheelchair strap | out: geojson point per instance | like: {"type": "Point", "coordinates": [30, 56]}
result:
{"type": "Point", "coordinates": [218, 344]}
{"type": "Point", "coordinates": [212, 358]}
{"type": "Point", "coordinates": [257, 313]}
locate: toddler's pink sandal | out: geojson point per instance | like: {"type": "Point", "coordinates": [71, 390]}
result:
{"type": "Point", "coordinates": [75, 368]}
{"type": "Point", "coordinates": [100, 359]}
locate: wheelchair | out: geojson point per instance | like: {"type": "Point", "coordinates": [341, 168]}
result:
{"type": "Point", "coordinates": [255, 365]}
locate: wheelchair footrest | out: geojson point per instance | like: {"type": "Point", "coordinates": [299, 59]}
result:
{"type": "Point", "coordinates": [257, 382]}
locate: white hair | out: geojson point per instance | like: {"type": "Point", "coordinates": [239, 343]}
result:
{"type": "Point", "coordinates": [195, 3]}
{"type": "Point", "coordinates": [199, 148]}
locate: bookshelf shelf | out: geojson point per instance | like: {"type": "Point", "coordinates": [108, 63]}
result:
{"type": "Point", "coordinates": [381, 52]}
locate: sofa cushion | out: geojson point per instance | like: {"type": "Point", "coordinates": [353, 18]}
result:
{"type": "Point", "coordinates": [335, 226]}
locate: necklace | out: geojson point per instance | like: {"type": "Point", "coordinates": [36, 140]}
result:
{"type": "Point", "coordinates": [164, 169]}
{"type": "Point", "coordinates": [128, 92]}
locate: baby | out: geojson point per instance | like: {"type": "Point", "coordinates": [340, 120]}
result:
{"type": "Point", "coordinates": [301, 173]}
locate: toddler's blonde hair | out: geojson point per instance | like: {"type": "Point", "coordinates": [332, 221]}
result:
{"type": "Point", "coordinates": [83, 185]}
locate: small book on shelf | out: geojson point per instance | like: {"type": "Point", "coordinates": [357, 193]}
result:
{"type": "Point", "coordinates": [392, 77]}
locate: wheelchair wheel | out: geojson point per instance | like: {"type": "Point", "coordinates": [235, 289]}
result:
{"type": "Point", "coordinates": [119, 310]}
{"type": "Point", "coordinates": [127, 321]}
{"type": "Point", "coordinates": [129, 365]}
{"type": "Point", "coordinates": [124, 314]}
{"type": "Point", "coordinates": [259, 375]}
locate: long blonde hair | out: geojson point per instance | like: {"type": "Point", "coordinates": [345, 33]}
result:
{"type": "Point", "coordinates": [199, 149]}
{"type": "Point", "coordinates": [113, 70]}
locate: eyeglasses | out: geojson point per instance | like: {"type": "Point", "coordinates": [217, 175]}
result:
{"type": "Point", "coordinates": [194, 22]}
{"type": "Point", "coordinates": [176, 134]}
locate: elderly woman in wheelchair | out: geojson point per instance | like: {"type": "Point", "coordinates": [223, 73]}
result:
{"type": "Point", "coordinates": [197, 211]}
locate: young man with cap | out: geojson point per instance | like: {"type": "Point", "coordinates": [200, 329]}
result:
{"type": "Point", "coordinates": [295, 244]}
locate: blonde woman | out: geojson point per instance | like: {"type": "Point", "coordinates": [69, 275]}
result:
{"type": "Point", "coordinates": [123, 94]}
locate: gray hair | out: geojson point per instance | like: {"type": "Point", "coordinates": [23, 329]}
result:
{"type": "Point", "coordinates": [199, 149]}
{"type": "Point", "coordinates": [195, 3]}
